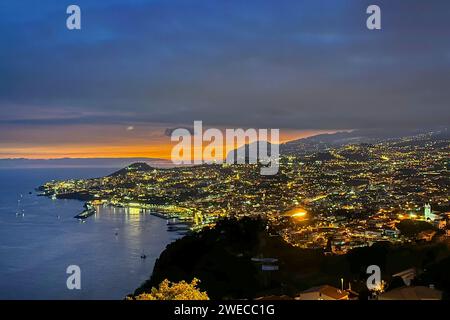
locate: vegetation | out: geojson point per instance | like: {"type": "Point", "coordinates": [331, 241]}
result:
{"type": "Point", "coordinates": [219, 256]}
{"type": "Point", "coordinates": [411, 228]}
{"type": "Point", "coordinates": [222, 258]}
{"type": "Point", "coordinates": [174, 291]}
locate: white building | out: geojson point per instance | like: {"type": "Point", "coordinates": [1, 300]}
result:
{"type": "Point", "coordinates": [430, 215]}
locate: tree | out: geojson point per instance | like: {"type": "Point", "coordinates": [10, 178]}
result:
{"type": "Point", "coordinates": [396, 282]}
{"type": "Point", "coordinates": [411, 228]}
{"type": "Point", "coordinates": [174, 291]}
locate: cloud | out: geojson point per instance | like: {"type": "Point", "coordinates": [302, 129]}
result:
{"type": "Point", "coordinates": [292, 64]}
{"type": "Point", "coordinates": [169, 131]}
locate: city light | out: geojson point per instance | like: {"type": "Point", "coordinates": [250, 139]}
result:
{"type": "Point", "coordinates": [300, 214]}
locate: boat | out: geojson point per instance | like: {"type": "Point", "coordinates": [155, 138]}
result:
{"type": "Point", "coordinates": [89, 211]}
{"type": "Point", "coordinates": [20, 211]}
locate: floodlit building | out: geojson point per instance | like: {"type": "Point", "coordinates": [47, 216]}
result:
{"type": "Point", "coordinates": [429, 214]}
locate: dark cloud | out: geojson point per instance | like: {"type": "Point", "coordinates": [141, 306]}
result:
{"type": "Point", "coordinates": [281, 64]}
{"type": "Point", "coordinates": [169, 131]}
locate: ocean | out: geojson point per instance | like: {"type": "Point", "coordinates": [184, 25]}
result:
{"type": "Point", "coordinates": [37, 248]}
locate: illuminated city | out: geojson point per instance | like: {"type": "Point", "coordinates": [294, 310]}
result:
{"type": "Point", "coordinates": [215, 157]}
{"type": "Point", "coordinates": [343, 197]}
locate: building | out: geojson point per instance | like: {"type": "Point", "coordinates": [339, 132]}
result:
{"type": "Point", "coordinates": [325, 292]}
{"type": "Point", "coordinates": [407, 275]}
{"type": "Point", "coordinates": [430, 215]}
{"type": "Point", "coordinates": [426, 235]}
{"type": "Point", "coordinates": [392, 233]}
{"type": "Point", "coordinates": [267, 264]}
{"type": "Point", "coordinates": [427, 211]}
{"type": "Point", "coordinates": [440, 223]}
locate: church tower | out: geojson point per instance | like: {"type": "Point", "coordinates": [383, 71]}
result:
{"type": "Point", "coordinates": [428, 214]}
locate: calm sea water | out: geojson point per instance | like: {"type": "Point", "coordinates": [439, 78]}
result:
{"type": "Point", "coordinates": [35, 250]}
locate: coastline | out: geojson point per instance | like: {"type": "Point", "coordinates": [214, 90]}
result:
{"type": "Point", "coordinates": [38, 247]}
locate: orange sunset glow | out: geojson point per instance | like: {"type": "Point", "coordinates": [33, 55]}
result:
{"type": "Point", "coordinates": [105, 141]}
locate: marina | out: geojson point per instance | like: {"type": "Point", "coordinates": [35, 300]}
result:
{"type": "Point", "coordinates": [37, 248]}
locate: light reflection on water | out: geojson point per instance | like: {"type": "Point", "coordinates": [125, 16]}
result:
{"type": "Point", "coordinates": [36, 249]}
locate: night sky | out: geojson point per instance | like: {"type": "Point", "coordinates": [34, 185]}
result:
{"type": "Point", "coordinates": [139, 67]}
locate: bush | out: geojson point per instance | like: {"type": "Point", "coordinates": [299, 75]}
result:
{"type": "Point", "coordinates": [174, 291]}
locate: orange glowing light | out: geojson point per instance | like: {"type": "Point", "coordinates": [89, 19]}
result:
{"type": "Point", "coordinates": [299, 214]}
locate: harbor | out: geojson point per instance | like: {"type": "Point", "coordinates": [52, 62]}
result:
{"type": "Point", "coordinates": [89, 211]}
{"type": "Point", "coordinates": [179, 220]}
